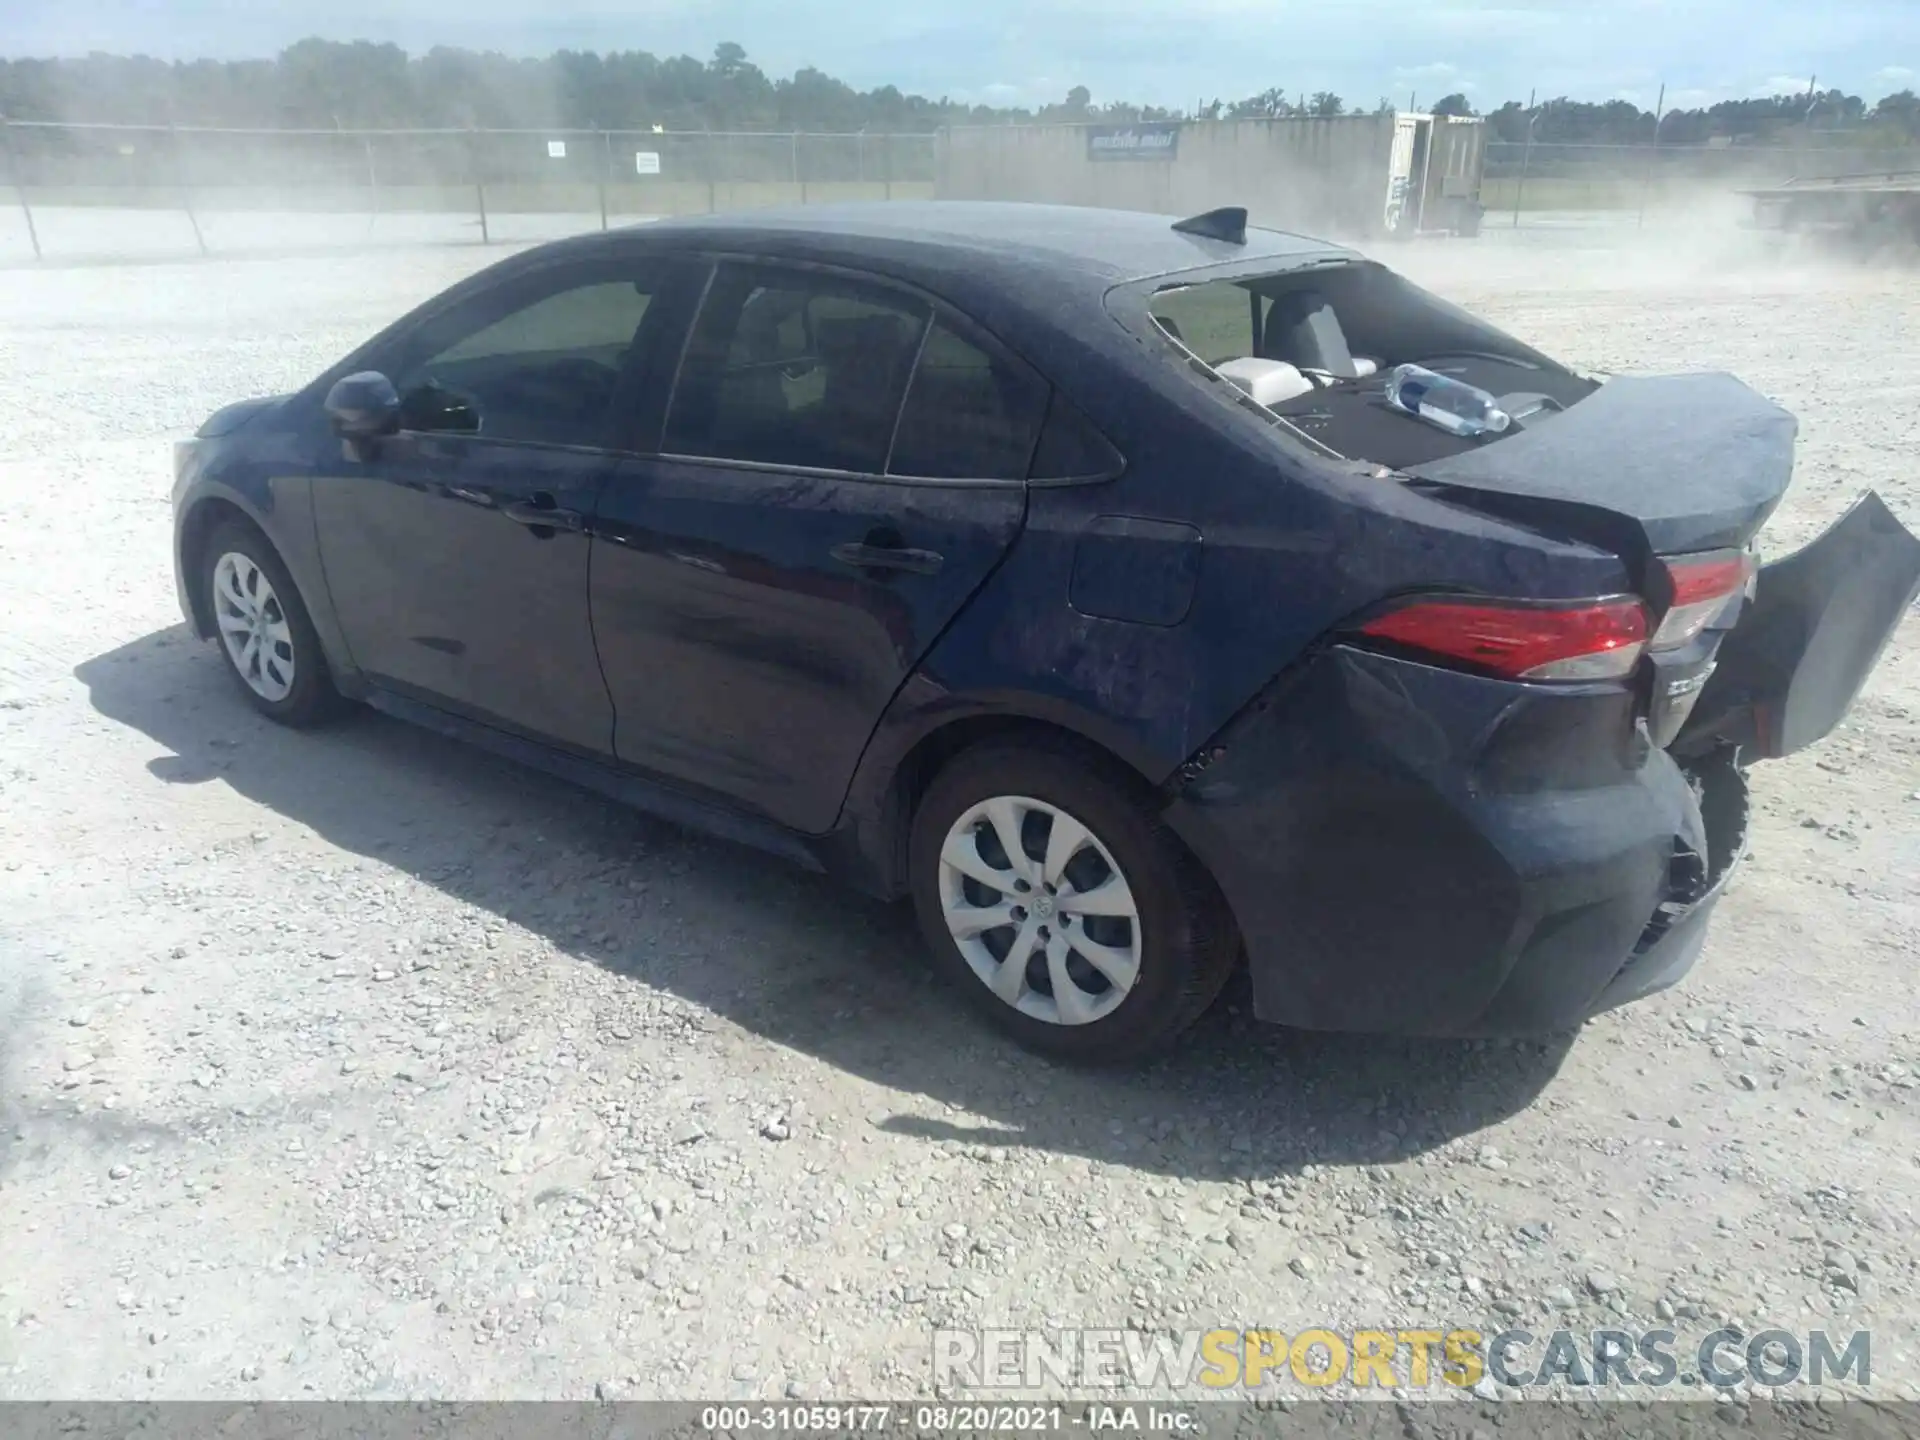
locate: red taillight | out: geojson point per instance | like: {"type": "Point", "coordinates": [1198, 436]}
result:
{"type": "Point", "coordinates": [1590, 640]}
{"type": "Point", "coordinates": [1702, 587]}
{"type": "Point", "coordinates": [1697, 580]}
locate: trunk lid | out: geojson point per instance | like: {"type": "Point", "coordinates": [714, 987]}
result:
{"type": "Point", "coordinates": [1694, 462]}
{"type": "Point", "coordinates": [1666, 468]}
{"type": "Point", "coordinates": [1804, 646]}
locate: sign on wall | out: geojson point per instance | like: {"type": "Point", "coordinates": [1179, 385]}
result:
{"type": "Point", "coordinates": [646, 162]}
{"type": "Point", "coordinates": [556, 149]}
{"type": "Point", "coordinates": [1133, 142]}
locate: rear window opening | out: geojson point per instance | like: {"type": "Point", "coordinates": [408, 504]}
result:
{"type": "Point", "coordinates": [1314, 347]}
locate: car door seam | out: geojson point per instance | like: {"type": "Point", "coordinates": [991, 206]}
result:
{"type": "Point", "coordinates": [933, 643]}
{"type": "Point", "coordinates": [591, 537]}
{"type": "Point", "coordinates": [320, 559]}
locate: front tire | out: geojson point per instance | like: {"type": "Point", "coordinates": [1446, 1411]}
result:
{"type": "Point", "coordinates": [264, 632]}
{"type": "Point", "coordinates": [1049, 891]}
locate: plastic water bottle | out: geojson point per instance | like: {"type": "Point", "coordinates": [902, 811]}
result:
{"type": "Point", "coordinates": [1453, 405]}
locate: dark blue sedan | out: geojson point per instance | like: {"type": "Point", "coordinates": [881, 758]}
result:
{"type": "Point", "coordinates": [1136, 596]}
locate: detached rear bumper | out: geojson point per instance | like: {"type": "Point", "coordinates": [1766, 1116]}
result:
{"type": "Point", "coordinates": [1409, 850]}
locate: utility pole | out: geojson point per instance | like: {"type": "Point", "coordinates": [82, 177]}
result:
{"type": "Point", "coordinates": [606, 170]}
{"type": "Point", "coordinates": [479, 181]}
{"type": "Point", "coordinates": [15, 174]}
{"type": "Point", "coordinates": [1526, 160]}
{"type": "Point", "coordinates": [1653, 155]}
{"type": "Point", "coordinates": [186, 185]}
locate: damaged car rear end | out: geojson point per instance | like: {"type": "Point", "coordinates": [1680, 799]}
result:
{"type": "Point", "coordinates": [1502, 790]}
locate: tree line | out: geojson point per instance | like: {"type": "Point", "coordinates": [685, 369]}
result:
{"type": "Point", "coordinates": [360, 85]}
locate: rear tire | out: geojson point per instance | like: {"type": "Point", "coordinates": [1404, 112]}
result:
{"type": "Point", "coordinates": [263, 629]}
{"type": "Point", "coordinates": [1044, 857]}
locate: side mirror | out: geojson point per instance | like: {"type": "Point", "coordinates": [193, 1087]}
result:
{"type": "Point", "coordinates": [363, 408]}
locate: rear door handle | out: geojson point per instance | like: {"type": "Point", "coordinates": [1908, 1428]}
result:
{"type": "Point", "coordinates": [884, 557]}
{"type": "Point", "coordinates": [541, 512]}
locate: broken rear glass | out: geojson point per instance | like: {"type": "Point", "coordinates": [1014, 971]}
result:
{"type": "Point", "coordinates": [1311, 346]}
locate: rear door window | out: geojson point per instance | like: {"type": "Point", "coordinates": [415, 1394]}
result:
{"type": "Point", "coordinates": [795, 368]}
{"type": "Point", "coordinates": [1071, 448]}
{"type": "Point", "coordinates": [969, 415]}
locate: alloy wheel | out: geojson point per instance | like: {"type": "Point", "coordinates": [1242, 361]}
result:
{"type": "Point", "coordinates": [253, 626]}
{"type": "Point", "coordinates": [1040, 911]}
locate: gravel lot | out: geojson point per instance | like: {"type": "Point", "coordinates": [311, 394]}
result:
{"type": "Point", "coordinates": [352, 1064]}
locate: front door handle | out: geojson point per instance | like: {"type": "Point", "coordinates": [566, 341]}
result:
{"type": "Point", "coordinates": [887, 557]}
{"type": "Point", "coordinates": [543, 515]}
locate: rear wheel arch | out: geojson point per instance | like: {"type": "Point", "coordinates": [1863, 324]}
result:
{"type": "Point", "coordinates": [883, 818]}
{"type": "Point", "coordinates": [1172, 918]}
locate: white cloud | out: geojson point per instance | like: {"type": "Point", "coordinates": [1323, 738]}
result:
{"type": "Point", "coordinates": [1002, 92]}
{"type": "Point", "coordinates": [1433, 80]}
{"type": "Point", "coordinates": [1684, 97]}
{"type": "Point", "coordinates": [1782, 85]}
{"type": "Point", "coordinates": [1695, 99]}
{"type": "Point", "coordinates": [1895, 76]}
{"type": "Point", "coordinates": [1032, 92]}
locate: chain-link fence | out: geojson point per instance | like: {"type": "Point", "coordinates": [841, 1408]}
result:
{"type": "Point", "coordinates": [1523, 180]}
{"type": "Point", "coordinates": [83, 190]}
{"type": "Point", "coordinates": [69, 187]}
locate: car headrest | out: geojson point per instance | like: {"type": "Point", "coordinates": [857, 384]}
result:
{"type": "Point", "coordinates": [867, 349]}
{"type": "Point", "coordinates": [757, 335]}
{"type": "Point", "coordinates": [1303, 330]}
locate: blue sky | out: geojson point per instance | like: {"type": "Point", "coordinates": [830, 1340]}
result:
{"type": "Point", "coordinates": [1170, 52]}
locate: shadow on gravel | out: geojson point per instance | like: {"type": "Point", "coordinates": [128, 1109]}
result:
{"type": "Point", "coordinates": [798, 959]}
{"type": "Point", "coordinates": [33, 1135]}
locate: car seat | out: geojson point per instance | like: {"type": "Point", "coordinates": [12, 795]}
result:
{"type": "Point", "coordinates": [1303, 330]}
{"type": "Point", "coordinates": [865, 358]}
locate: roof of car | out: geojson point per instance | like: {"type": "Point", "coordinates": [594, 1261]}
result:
{"type": "Point", "coordinates": [1109, 246]}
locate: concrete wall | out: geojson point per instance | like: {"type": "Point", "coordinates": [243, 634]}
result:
{"type": "Point", "coordinates": [1323, 176]}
